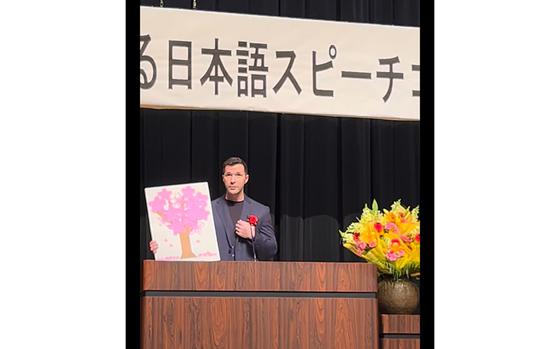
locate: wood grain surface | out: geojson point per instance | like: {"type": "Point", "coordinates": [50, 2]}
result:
{"type": "Point", "coordinates": [260, 305]}
{"type": "Point", "coordinates": [401, 343]}
{"type": "Point", "coordinates": [259, 276]}
{"type": "Point", "coordinates": [409, 324]}
{"type": "Point", "coordinates": [266, 322]}
{"type": "Point", "coordinates": [400, 331]}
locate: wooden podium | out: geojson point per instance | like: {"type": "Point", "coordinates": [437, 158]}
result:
{"type": "Point", "coordinates": [260, 305]}
{"type": "Point", "coordinates": [400, 331]}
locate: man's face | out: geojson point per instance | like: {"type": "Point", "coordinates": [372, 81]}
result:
{"type": "Point", "coordinates": [234, 178]}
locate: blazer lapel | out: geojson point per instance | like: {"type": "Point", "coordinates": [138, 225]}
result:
{"type": "Point", "coordinates": [225, 217]}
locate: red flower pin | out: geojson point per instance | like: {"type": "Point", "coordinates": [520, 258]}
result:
{"type": "Point", "coordinates": [253, 220]}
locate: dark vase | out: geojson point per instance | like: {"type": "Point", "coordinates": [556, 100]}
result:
{"type": "Point", "coordinates": [398, 296]}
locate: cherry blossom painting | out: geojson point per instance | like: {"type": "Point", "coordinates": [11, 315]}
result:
{"type": "Point", "coordinates": [181, 222]}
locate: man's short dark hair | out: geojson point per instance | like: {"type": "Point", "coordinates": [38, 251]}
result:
{"type": "Point", "coordinates": [234, 160]}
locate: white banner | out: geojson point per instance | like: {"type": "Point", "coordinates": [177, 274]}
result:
{"type": "Point", "coordinates": [211, 60]}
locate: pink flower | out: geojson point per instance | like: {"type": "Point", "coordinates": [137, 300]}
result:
{"type": "Point", "coordinates": [405, 238]}
{"type": "Point", "coordinates": [372, 244]}
{"type": "Point", "coordinates": [392, 226]}
{"type": "Point", "coordinates": [357, 237]}
{"type": "Point", "coordinates": [391, 256]}
{"type": "Point", "coordinates": [362, 245]}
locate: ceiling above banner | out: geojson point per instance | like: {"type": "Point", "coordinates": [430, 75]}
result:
{"type": "Point", "coordinates": [193, 59]}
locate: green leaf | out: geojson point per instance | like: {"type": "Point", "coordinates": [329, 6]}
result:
{"type": "Point", "coordinates": [374, 206]}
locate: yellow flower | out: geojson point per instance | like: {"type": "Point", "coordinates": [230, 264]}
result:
{"type": "Point", "coordinates": [391, 237]}
{"type": "Point", "coordinates": [367, 233]}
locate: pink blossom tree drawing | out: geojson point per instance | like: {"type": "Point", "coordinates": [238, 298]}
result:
{"type": "Point", "coordinates": [182, 213]}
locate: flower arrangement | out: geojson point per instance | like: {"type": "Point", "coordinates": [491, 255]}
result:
{"type": "Point", "coordinates": [388, 239]}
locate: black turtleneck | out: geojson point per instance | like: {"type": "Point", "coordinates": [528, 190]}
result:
{"type": "Point", "coordinates": [235, 208]}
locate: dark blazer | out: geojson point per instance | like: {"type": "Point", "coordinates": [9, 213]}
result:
{"type": "Point", "coordinates": [242, 249]}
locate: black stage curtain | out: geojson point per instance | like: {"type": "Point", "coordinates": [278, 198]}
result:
{"type": "Point", "coordinates": [315, 173]}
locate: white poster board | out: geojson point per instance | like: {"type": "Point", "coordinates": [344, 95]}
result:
{"type": "Point", "coordinates": [181, 222]}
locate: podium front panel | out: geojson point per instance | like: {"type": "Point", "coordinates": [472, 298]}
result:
{"type": "Point", "coordinates": [259, 305]}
